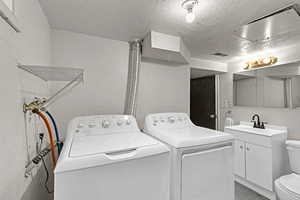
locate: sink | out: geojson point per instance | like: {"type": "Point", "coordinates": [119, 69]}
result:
{"type": "Point", "coordinates": [248, 128]}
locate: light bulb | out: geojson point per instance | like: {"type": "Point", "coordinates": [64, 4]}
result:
{"type": "Point", "coordinates": [267, 61]}
{"type": "Point", "coordinates": [190, 16]}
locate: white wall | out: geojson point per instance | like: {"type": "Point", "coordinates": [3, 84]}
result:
{"type": "Point", "coordinates": [162, 88]}
{"type": "Point", "coordinates": [208, 65]}
{"type": "Point", "coordinates": [105, 62]}
{"type": "Point", "coordinates": [32, 45]}
{"type": "Point", "coordinates": [276, 116]}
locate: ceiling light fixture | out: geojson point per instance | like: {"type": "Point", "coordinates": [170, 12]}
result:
{"type": "Point", "coordinates": [189, 5]}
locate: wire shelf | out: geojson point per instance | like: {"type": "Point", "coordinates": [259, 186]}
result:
{"type": "Point", "coordinates": [50, 73]}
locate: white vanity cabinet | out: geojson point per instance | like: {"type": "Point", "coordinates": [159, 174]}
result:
{"type": "Point", "coordinates": [260, 156]}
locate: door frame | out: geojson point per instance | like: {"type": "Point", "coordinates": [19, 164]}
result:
{"type": "Point", "coordinates": [217, 103]}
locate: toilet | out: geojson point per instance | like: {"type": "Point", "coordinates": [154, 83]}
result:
{"type": "Point", "coordinates": [288, 187]}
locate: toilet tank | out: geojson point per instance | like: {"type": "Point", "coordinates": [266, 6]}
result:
{"type": "Point", "coordinates": [293, 147]}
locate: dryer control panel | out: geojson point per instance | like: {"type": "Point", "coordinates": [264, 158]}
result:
{"type": "Point", "coordinates": [103, 124]}
{"type": "Point", "coordinates": [168, 120]}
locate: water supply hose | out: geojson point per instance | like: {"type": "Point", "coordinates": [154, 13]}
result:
{"type": "Point", "coordinates": [36, 111]}
{"type": "Point", "coordinates": [59, 144]}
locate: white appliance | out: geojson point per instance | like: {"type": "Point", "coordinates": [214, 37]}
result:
{"type": "Point", "coordinates": [288, 187]}
{"type": "Point", "coordinates": [106, 157]}
{"type": "Point", "coordinates": [202, 159]}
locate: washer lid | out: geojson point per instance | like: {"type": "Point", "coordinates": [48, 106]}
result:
{"type": "Point", "coordinates": [92, 145]}
{"type": "Point", "coordinates": [190, 136]}
{"type": "Point", "coordinates": [291, 182]}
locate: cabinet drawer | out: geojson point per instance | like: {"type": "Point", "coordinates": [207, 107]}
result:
{"type": "Point", "coordinates": [251, 138]}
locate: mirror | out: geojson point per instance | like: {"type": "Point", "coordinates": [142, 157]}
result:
{"type": "Point", "coordinates": [277, 87]}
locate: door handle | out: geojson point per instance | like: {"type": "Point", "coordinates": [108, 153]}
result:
{"type": "Point", "coordinates": [116, 155]}
{"type": "Point", "coordinates": [212, 116]}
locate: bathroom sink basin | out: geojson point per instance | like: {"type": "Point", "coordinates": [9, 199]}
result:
{"type": "Point", "coordinates": [268, 131]}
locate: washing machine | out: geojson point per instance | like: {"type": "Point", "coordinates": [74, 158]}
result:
{"type": "Point", "coordinates": [107, 157]}
{"type": "Point", "coordinates": [202, 159]}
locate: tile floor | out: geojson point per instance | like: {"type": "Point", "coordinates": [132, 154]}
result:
{"type": "Point", "coordinates": [243, 193]}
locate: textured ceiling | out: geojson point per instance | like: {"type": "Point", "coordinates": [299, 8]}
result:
{"type": "Point", "coordinates": [211, 32]}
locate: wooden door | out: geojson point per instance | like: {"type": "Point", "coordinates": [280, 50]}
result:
{"type": "Point", "coordinates": [203, 102]}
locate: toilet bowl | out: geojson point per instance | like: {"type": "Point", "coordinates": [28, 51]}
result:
{"type": "Point", "coordinates": [288, 187]}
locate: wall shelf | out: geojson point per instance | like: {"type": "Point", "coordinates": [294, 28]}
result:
{"type": "Point", "coordinates": [73, 76]}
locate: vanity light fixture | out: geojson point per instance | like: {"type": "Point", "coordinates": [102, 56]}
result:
{"type": "Point", "coordinates": [262, 62]}
{"type": "Point", "coordinates": [189, 5]}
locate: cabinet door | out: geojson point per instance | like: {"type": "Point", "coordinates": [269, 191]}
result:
{"type": "Point", "coordinates": [259, 165]}
{"type": "Point", "coordinates": [239, 158]}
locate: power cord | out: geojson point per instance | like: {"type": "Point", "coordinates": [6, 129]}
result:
{"type": "Point", "coordinates": [47, 177]}
{"type": "Point", "coordinates": [41, 156]}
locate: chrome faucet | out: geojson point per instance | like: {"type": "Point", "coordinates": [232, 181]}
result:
{"type": "Point", "coordinates": [257, 123]}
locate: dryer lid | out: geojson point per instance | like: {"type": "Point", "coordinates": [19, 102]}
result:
{"type": "Point", "coordinates": [92, 145]}
{"type": "Point", "coordinates": [291, 182]}
{"type": "Point", "coordinates": [190, 136]}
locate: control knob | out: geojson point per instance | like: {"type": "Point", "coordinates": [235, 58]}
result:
{"type": "Point", "coordinates": [128, 122]}
{"type": "Point", "coordinates": [171, 119]}
{"type": "Point", "coordinates": [119, 122]}
{"type": "Point", "coordinates": [105, 124]}
{"type": "Point", "coordinates": [80, 125]}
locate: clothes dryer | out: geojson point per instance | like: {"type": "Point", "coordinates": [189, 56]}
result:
{"type": "Point", "coordinates": [202, 159]}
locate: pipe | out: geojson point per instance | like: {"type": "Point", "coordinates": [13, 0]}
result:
{"type": "Point", "coordinates": [59, 144]}
{"type": "Point", "coordinates": [133, 77]}
{"type": "Point", "coordinates": [50, 135]}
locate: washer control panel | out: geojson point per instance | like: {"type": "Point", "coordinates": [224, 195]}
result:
{"type": "Point", "coordinates": [104, 124]}
{"type": "Point", "coordinates": [168, 120]}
